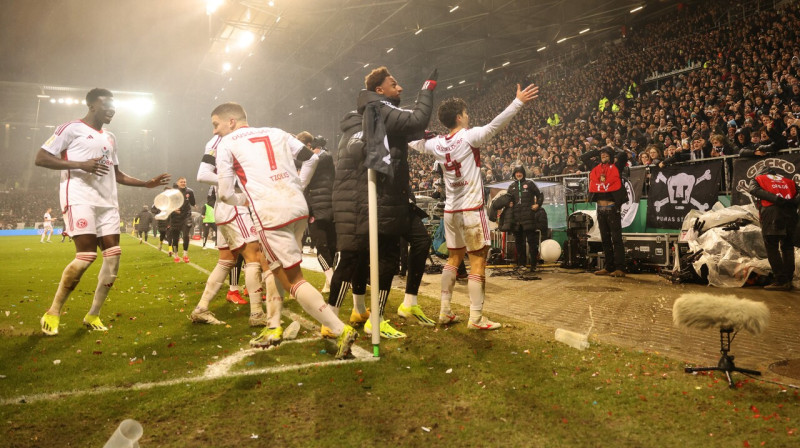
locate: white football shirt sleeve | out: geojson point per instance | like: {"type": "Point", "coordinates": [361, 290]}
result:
{"type": "Point", "coordinates": [478, 136]}
{"type": "Point", "coordinates": [422, 145]}
{"type": "Point", "coordinates": [207, 174]}
{"type": "Point", "coordinates": [295, 145]}
{"type": "Point", "coordinates": [113, 139]}
{"type": "Point", "coordinates": [56, 144]}
{"type": "Point", "coordinates": [227, 178]}
{"type": "Point", "coordinates": [307, 170]}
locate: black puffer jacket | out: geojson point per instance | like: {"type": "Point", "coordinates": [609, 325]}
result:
{"type": "Point", "coordinates": [500, 204]}
{"type": "Point", "coordinates": [319, 191]}
{"type": "Point", "coordinates": [350, 211]}
{"type": "Point", "coordinates": [524, 194]}
{"type": "Point", "coordinates": [402, 126]}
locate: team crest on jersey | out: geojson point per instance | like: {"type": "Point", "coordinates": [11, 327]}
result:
{"type": "Point", "coordinates": [81, 224]}
{"type": "Point", "coordinates": [253, 229]}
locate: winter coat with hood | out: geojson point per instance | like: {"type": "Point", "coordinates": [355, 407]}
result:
{"type": "Point", "coordinates": [350, 211]}
{"type": "Point", "coordinates": [402, 126]}
{"type": "Point", "coordinates": [524, 193]}
{"type": "Point", "coordinates": [319, 191]}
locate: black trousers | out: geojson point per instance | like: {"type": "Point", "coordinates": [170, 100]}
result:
{"type": "Point", "coordinates": [207, 226]}
{"type": "Point", "coordinates": [180, 229]}
{"type": "Point", "coordinates": [610, 222]}
{"type": "Point", "coordinates": [413, 258]}
{"type": "Point", "coordinates": [142, 233]}
{"type": "Point", "coordinates": [532, 237]}
{"type": "Point", "coordinates": [353, 267]}
{"type": "Point", "coordinates": [323, 237]}
{"type": "Point", "coordinates": [780, 253]}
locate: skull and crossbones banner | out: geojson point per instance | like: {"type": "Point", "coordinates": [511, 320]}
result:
{"type": "Point", "coordinates": [675, 190]}
{"type": "Point", "coordinates": [746, 170]}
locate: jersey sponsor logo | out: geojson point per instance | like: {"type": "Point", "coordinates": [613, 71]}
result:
{"type": "Point", "coordinates": [461, 183]}
{"type": "Point", "coordinates": [90, 137]}
{"type": "Point", "coordinates": [81, 224]}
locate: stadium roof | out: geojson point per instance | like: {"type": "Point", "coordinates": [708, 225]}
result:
{"type": "Point", "coordinates": [285, 53]}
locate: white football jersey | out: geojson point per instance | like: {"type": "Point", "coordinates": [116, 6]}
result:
{"type": "Point", "coordinates": [223, 213]}
{"type": "Point", "coordinates": [78, 141]}
{"type": "Point", "coordinates": [459, 155]}
{"type": "Point", "coordinates": [262, 160]}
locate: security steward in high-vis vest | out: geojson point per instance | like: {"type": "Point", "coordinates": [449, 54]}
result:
{"type": "Point", "coordinates": [606, 188]}
{"type": "Point", "coordinates": [778, 211]}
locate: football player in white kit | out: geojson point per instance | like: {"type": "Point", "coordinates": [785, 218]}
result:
{"type": "Point", "coordinates": [236, 234]}
{"type": "Point", "coordinates": [87, 157]}
{"type": "Point", "coordinates": [47, 226]}
{"type": "Point", "coordinates": [262, 160]}
{"type": "Point", "coordinates": [466, 226]}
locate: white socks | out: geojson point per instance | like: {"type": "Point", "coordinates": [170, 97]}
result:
{"type": "Point", "coordinates": [410, 299]}
{"type": "Point", "coordinates": [274, 299]}
{"type": "Point", "coordinates": [106, 278]}
{"type": "Point", "coordinates": [449, 274]}
{"type": "Point", "coordinates": [69, 279]}
{"type": "Point", "coordinates": [252, 280]}
{"type": "Point", "coordinates": [476, 285]}
{"type": "Point", "coordinates": [314, 304]}
{"type": "Point", "coordinates": [214, 282]}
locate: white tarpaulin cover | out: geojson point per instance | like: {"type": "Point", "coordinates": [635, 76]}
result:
{"type": "Point", "coordinates": [729, 255]}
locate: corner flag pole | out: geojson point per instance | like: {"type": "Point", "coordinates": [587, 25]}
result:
{"type": "Point", "coordinates": [372, 202]}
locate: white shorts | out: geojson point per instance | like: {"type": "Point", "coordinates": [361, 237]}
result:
{"type": "Point", "coordinates": [88, 219]}
{"type": "Point", "coordinates": [235, 234]}
{"type": "Point", "coordinates": [468, 229]}
{"type": "Point", "coordinates": [47, 227]}
{"type": "Point", "coordinates": [283, 246]}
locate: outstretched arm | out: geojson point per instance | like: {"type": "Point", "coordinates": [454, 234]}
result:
{"type": "Point", "coordinates": [480, 135]}
{"type": "Point", "coordinates": [124, 179]}
{"type": "Point", "coordinates": [92, 166]}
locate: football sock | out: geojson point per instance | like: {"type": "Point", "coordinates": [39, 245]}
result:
{"type": "Point", "coordinates": [476, 285]}
{"type": "Point", "coordinates": [410, 299]}
{"type": "Point", "coordinates": [70, 278]}
{"type": "Point", "coordinates": [214, 282]}
{"type": "Point", "coordinates": [234, 275]}
{"type": "Point", "coordinates": [449, 274]}
{"type": "Point", "coordinates": [252, 280]}
{"type": "Point", "coordinates": [314, 304]}
{"type": "Point", "coordinates": [274, 299]}
{"type": "Point", "coordinates": [106, 278]}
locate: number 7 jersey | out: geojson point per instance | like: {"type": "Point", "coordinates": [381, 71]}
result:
{"type": "Point", "coordinates": [262, 159]}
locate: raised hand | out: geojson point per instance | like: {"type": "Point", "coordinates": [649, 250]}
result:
{"type": "Point", "coordinates": [528, 93]}
{"type": "Point", "coordinates": [161, 179]}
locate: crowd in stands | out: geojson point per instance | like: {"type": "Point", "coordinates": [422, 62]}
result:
{"type": "Point", "coordinates": [739, 91]}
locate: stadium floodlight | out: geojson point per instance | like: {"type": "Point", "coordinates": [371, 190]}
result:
{"type": "Point", "coordinates": [584, 31]}
{"type": "Point", "coordinates": [506, 63]}
{"type": "Point", "coordinates": [226, 67]}
{"type": "Point", "coordinates": [418, 31]}
{"type": "Point", "coordinates": [291, 113]}
{"type": "Point", "coordinates": [314, 99]}
{"type": "Point", "coordinates": [329, 89]}
{"type": "Point", "coordinates": [52, 100]}
{"type": "Point", "coordinates": [390, 50]}
{"type": "Point", "coordinates": [301, 106]}
{"type": "Point", "coordinates": [271, 3]}
{"type": "Point", "coordinates": [490, 70]}
{"type": "Point", "coordinates": [453, 8]}
{"type": "Point", "coordinates": [61, 101]}
{"type": "Point", "coordinates": [449, 87]}
{"type": "Point", "coordinates": [366, 65]}
{"type": "Point", "coordinates": [141, 106]}
{"type": "Point", "coordinates": [44, 97]}
{"type": "Point", "coordinates": [561, 40]}
{"type": "Point", "coordinates": [638, 8]}
{"type": "Point", "coordinates": [213, 5]}
{"type": "Point", "coordinates": [542, 48]}
{"type": "Point", "coordinates": [246, 38]}
{"type": "Point", "coordinates": [462, 81]}
{"type": "Point", "coordinates": [278, 19]}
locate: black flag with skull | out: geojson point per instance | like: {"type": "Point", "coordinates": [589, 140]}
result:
{"type": "Point", "coordinates": [675, 190]}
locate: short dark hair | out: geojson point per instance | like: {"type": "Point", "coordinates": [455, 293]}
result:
{"type": "Point", "coordinates": [449, 109]}
{"type": "Point", "coordinates": [96, 93]}
{"type": "Point", "coordinates": [376, 78]}
{"type": "Point", "coordinates": [234, 110]}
